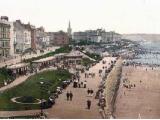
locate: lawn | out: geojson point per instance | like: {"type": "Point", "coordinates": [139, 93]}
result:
{"type": "Point", "coordinates": [64, 49]}
{"type": "Point", "coordinates": [86, 61]}
{"type": "Point", "coordinates": [94, 56]}
{"type": "Point", "coordinates": [31, 87]}
{"type": "Point", "coordinates": [4, 76]}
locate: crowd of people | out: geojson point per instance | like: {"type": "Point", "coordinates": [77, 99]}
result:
{"type": "Point", "coordinates": [87, 75]}
{"type": "Point", "coordinates": [81, 83]}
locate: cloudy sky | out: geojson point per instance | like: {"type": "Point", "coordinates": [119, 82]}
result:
{"type": "Point", "coordinates": [123, 16]}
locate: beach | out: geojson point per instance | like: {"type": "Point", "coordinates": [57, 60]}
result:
{"type": "Point", "coordinates": [141, 100]}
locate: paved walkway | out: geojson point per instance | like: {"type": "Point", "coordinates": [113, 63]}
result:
{"type": "Point", "coordinates": [75, 108]}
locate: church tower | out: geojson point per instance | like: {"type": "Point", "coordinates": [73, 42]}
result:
{"type": "Point", "coordinates": [69, 30]}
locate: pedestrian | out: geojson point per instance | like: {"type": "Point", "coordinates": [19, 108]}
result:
{"type": "Point", "coordinates": [85, 84]}
{"type": "Point", "coordinates": [67, 95]}
{"type": "Point", "coordinates": [88, 91]}
{"type": "Point", "coordinates": [88, 104]}
{"type": "Point", "coordinates": [79, 85]}
{"type": "Point", "coordinates": [71, 96]}
{"type": "Point", "coordinates": [91, 91]}
{"type": "Point", "coordinates": [134, 85]}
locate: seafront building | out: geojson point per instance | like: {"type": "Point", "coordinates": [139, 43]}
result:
{"type": "Point", "coordinates": [110, 36]}
{"type": "Point", "coordinates": [98, 35]}
{"type": "Point", "coordinates": [17, 37]}
{"type": "Point", "coordinates": [58, 38]}
{"type": "Point", "coordinates": [25, 36]}
{"type": "Point", "coordinates": [5, 37]}
{"type": "Point", "coordinates": [22, 36]}
{"type": "Point", "coordinates": [33, 36]}
{"type": "Point", "coordinates": [42, 38]}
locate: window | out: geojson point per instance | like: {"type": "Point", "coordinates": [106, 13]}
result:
{"type": "Point", "coordinates": [3, 35]}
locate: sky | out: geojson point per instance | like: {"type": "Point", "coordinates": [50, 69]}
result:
{"type": "Point", "coordinates": [122, 16]}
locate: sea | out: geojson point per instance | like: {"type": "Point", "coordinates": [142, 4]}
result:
{"type": "Point", "coordinates": [151, 56]}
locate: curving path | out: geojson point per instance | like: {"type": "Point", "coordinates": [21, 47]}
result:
{"type": "Point", "coordinates": [20, 80]}
{"type": "Point", "coordinates": [15, 101]}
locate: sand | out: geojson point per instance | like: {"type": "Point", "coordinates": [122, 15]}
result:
{"type": "Point", "coordinates": [142, 101]}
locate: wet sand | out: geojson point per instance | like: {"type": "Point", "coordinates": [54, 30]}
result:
{"type": "Point", "coordinates": [142, 101]}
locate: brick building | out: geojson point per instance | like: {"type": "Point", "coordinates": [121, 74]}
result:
{"type": "Point", "coordinates": [59, 38]}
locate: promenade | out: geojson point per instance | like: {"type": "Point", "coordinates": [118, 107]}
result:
{"type": "Point", "coordinates": [77, 107]}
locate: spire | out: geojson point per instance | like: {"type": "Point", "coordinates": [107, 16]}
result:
{"type": "Point", "coordinates": [69, 26]}
{"type": "Point", "coordinates": [69, 30]}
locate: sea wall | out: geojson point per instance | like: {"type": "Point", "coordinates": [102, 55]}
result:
{"type": "Point", "coordinates": [111, 87]}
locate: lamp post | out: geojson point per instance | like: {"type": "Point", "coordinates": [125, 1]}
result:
{"type": "Point", "coordinates": [41, 105]}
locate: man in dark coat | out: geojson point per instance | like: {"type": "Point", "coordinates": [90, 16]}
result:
{"type": "Point", "coordinates": [88, 104]}
{"type": "Point", "coordinates": [67, 95]}
{"type": "Point", "coordinates": [71, 95]}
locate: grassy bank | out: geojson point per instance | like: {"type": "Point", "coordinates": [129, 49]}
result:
{"type": "Point", "coordinates": [5, 76]}
{"type": "Point", "coordinates": [94, 56]}
{"type": "Point", "coordinates": [86, 61]}
{"type": "Point", "coordinates": [112, 84]}
{"type": "Point", "coordinates": [31, 87]}
{"type": "Point", "coordinates": [64, 49]}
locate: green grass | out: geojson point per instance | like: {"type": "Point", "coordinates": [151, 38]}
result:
{"type": "Point", "coordinates": [31, 87]}
{"type": "Point", "coordinates": [4, 76]}
{"type": "Point", "coordinates": [94, 56]}
{"type": "Point", "coordinates": [86, 61]}
{"type": "Point", "coordinates": [64, 49]}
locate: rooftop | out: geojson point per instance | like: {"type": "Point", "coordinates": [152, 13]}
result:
{"type": "Point", "coordinates": [74, 53]}
{"type": "Point", "coordinates": [44, 59]}
{"type": "Point", "coordinates": [16, 66]}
